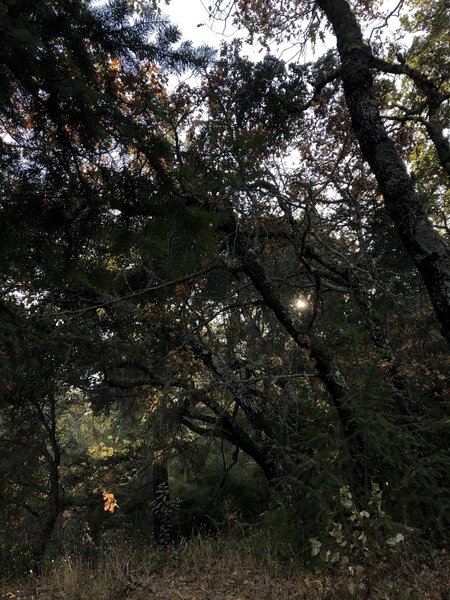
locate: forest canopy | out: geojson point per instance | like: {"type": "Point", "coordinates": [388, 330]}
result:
{"type": "Point", "coordinates": [225, 281]}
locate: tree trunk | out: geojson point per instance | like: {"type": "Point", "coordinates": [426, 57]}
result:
{"type": "Point", "coordinates": [326, 366]}
{"type": "Point", "coordinates": [52, 456]}
{"type": "Point", "coordinates": [427, 249]}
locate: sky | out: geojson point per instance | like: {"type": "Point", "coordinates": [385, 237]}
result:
{"type": "Point", "coordinates": [191, 16]}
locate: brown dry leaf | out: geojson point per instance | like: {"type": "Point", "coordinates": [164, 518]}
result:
{"type": "Point", "coordinates": [110, 502]}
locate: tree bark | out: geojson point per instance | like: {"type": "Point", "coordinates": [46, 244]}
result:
{"type": "Point", "coordinates": [427, 249]}
{"type": "Point", "coordinates": [52, 456]}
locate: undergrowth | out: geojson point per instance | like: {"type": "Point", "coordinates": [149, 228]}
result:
{"type": "Point", "coordinates": [225, 568]}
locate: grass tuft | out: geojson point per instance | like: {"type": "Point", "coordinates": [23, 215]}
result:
{"type": "Point", "coordinates": [225, 569]}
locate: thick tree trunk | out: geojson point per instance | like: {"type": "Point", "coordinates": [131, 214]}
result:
{"type": "Point", "coordinates": [427, 249]}
{"type": "Point", "coordinates": [52, 456]}
{"type": "Point", "coordinates": [51, 517]}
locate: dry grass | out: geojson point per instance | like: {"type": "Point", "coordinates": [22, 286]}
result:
{"type": "Point", "coordinates": [210, 570]}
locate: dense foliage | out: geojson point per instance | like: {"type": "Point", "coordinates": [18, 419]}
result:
{"type": "Point", "coordinates": [224, 302]}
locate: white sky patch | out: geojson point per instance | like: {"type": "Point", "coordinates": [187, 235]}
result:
{"type": "Point", "coordinates": [194, 21]}
{"type": "Point", "coordinates": [196, 24]}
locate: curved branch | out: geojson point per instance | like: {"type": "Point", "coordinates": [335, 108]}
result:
{"type": "Point", "coordinates": [434, 100]}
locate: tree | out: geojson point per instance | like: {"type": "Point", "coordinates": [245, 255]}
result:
{"type": "Point", "coordinates": [427, 249]}
{"type": "Point", "coordinates": [72, 151]}
{"type": "Point", "coordinates": [214, 261]}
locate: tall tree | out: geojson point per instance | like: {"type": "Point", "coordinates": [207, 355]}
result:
{"type": "Point", "coordinates": [426, 247]}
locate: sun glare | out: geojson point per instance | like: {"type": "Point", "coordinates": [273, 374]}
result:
{"type": "Point", "coordinates": [300, 303]}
